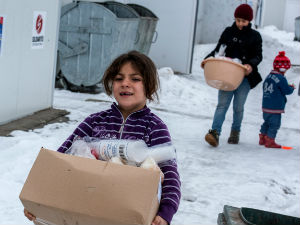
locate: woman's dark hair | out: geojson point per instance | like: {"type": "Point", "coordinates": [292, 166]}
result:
{"type": "Point", "coordinates": [141, 63]}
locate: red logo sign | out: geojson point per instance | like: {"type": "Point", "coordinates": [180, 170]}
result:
{"type": "Point", "coordinates": [39, 24]}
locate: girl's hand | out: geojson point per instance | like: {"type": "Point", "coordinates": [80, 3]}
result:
{"type": "Point", "coordinates": [159, 221]}
{"type": "Point", "coordinates": [248, 69]}
{"type": "Point", "coordinates": [29, 215]}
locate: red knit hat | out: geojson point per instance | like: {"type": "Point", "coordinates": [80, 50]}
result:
{"type": "Point", "coordinates": [281, 61]}
{"type": "Point", "coordinates": [244, 11]}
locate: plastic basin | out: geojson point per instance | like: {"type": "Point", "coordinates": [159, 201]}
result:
{"type": "Point", "coordinates": [223, 74]}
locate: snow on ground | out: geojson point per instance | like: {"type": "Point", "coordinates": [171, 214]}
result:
{"type": "Point", "coordinates": [243, 175]}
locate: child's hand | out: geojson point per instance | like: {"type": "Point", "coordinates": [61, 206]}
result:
{"type": "Point", "coordinates": [292, 85]}
{"type": "Point", "coordinates": [159, 221]}
{"type": "Point", "coordinates": [29, 215]}
{"type": "Point", "coordinates": [248, 69]}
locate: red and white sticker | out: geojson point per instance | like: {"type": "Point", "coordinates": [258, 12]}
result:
{"type": "Point", "coordinates": [39, 24]}
{"type": "Point", "coordinates": [38, 29]}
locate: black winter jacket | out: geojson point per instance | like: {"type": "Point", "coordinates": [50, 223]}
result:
{"type": "Point", "coordinates": [246, 45]}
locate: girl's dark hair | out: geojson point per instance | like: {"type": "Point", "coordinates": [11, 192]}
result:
{"type": "Point", "coordinates": [141, 63]}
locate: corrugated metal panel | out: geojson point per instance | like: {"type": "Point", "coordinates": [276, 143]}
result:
{"type": "Point", "coordinates": [91, 36]}
{"type": "Point", "coordinates": [146, 30]}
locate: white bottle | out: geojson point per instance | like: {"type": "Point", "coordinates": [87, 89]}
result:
{"type": "Point", "coordinates": [80, 148]}
{"type": "Point", "coordinates": [221, 52]}
{"type": "Point", "coordinates": [132, 150]}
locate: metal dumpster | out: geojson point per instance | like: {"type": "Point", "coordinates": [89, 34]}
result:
{"type": "Point", "coordinates": [125, 26]}
{"type": "Point", "coordinates": [91, 35]}
{"type": "Point", "coordinates": [246, 216]}
{"type": "Point", "coordinates": [146, 30]}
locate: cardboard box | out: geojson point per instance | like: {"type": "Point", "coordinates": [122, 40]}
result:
{"type": "Point", "coordinates": [63, 189]}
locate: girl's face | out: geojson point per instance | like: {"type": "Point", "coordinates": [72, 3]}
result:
{"type": "Point", "coordinates": [128, 90]}
{"type": "Point", "coordinates": [240, 23]}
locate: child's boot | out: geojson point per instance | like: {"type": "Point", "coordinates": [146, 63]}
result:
{"type": "Point", "coordinates": [262, 139]}
{"type": "Point", "coordinates": [270, 143]}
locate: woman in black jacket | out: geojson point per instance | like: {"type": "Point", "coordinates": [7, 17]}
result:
{"type": "Point", "coordinates": [244, 43]}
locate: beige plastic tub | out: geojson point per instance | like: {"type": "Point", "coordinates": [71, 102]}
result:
{"type": "Point", "coordinates": [223, 74]}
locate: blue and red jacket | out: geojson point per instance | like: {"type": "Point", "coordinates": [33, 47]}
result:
{"type": "Point", "coordinates": [275, 89]}
{"type": "Point", "coordinates": [140, 125]}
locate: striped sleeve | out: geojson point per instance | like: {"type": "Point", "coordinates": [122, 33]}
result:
{"type": "Point", "coordinates": [84, 129]}
{"type": "Point", "coordinates": [159, 133]}
{"type": "Point", "coordinates": [171, 192]}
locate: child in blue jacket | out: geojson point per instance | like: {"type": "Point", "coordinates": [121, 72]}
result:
{"type": "Point", "coordinates": [275, 89]}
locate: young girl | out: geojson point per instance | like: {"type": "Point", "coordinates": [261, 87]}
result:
{"type": "Point", "coordinates": [132, 79]}
{"type": "Point", "coordinates": [244, 43]}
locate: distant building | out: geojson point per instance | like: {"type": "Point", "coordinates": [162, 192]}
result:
{"type": "Point", "coordinates": [215, 15]}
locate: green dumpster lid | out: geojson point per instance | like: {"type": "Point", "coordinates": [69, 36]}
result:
{"type": "Point", "coordinates": [260, 217]}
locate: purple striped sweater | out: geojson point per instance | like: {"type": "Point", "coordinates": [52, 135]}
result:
{"type": "Point", "coordinates": [140, 125]}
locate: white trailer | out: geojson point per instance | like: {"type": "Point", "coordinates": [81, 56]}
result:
{"type": "Point", "coordinates": [27, 56]}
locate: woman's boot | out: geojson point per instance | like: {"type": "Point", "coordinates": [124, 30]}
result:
{"type": "Point", "coordinates": [212, 137]}
{"type": "Point", "coordinates": [234, 137]}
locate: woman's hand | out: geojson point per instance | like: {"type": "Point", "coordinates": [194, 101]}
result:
{"type": "Point", "coordinates": [248, 69]}
{"type": "Point", "coordinates": [159, 221]}
{"type": "Point", "coordinates": [29, 215]}
{"type": "Point", "coordinates": [202, 64]}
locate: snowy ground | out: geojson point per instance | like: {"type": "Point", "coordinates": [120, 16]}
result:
{"type": "Point", "coordinates": [244, 175]}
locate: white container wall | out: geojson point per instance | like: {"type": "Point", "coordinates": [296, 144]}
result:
{"type": "Point", "coordinates": [27, 56]}
{"type": "Point", "coordinates": [292, 11]}
{"type": "Point", "coordinates": [273, 14]}
{"type": "Point", "coordinates": [213, 17]}
{"type": "Point", "coordinates": [282, 14]}
{"type": "Point", "coordinates": [176, 32]}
